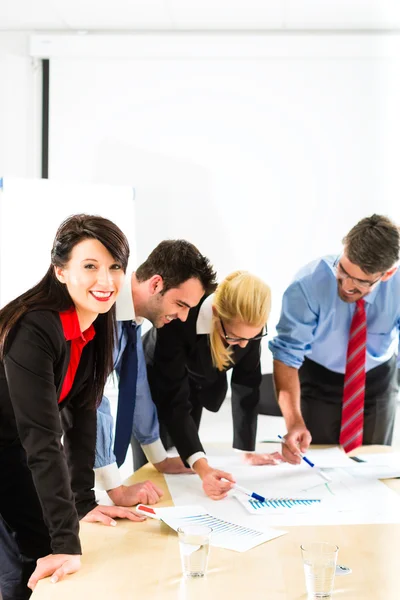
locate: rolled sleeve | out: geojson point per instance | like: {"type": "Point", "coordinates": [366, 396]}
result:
{"type": "Point", "coordinates": [108, 477]}
{"type": "Point", "coordinates": [155, 452]}
{"type": "Point", "coordinates": [296, 327]}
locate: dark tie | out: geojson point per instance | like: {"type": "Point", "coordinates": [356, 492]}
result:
{"type": "Point", "coordinates": [351, 432]}
{"type": "Point", "coordinates": [126, 393]}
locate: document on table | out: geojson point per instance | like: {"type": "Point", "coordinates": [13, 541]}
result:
{"type": "Point", "coordinates": [328, 458]}
{"type": "Point", "coordinates": [225, 534]}
{"type": "Point", "coordinates": [385, 465]}
{"type": "Point", "coordinates": [345, 500]}
{"type": "Point", "coordinates": [278, 506]}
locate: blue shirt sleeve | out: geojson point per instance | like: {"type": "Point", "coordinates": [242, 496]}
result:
{"type": "Point", "coordinates": [145, 420]}
{"type": "Point", "coordinates": [104, 437]}
{"type": "Point", "coordinates": [296, 327]}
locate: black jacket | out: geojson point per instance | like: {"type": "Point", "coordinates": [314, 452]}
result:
{"type": "Point", "coordinates": [177, 359]}
{"type": "Point", "coordinates": [31, 378]}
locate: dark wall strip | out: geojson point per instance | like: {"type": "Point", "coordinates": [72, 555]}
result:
{"type": "Point", "coordinates": [45, 117]}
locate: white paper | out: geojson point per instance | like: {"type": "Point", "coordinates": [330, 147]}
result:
{"type": "Point", "coordinates": [329, 458]}
{"type": "Point", "coordinates": [346, 499]}
{"type": "Point", "coordinates": [225, 534]}
{"type": "Point", "coordinates": [385, 465]}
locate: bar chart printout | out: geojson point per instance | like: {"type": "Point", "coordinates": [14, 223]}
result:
{"type": "Point", "coordinates": [277, 505]}
{"type": "Point", "coordinates": [225, 534]}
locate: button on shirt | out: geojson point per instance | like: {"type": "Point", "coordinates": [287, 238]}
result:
{"type": "Point", "coordinates": [145, 420]}
{"type": "Point", "coordinates": [315, 322]}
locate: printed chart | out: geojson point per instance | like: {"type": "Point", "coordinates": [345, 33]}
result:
{"type": "Point", "coordinates": [345, 500]}
{"type": "Point", "coordinates": [225, 534]}
{"type": "Point", "coordinates": [277, 505]}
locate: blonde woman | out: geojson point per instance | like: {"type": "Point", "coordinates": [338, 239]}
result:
{"type": "Point", "coordinates": [187, 364]}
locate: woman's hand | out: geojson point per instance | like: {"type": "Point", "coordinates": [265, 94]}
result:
{"type": "Point", "coordinates": [254, 458]}
{"type": "Point", "coordinates": [144, 492]}
{"type": "Point", "coordinates": [217, 484]}
{"type": "Point", "coordinates": [107, 514]}
{"type": "Point", "coordinates": [213, 480]}
{"type": "Point", "coordinates": [56, 565]}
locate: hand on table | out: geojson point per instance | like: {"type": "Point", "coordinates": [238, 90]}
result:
{"type": "Point", "coordinates": [255, 458]}
{"type": "Point", "coordinates": [107, 514]}
{"type": "Point", "coordinates": [144, 492]}
{"type": "Point", "coordinates": [297, 439]}
{"type": "Point", "coordinates": [172, 466]}
{"type": "Point", "coordinates": [56, 565]}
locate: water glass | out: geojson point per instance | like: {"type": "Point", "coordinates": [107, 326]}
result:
{"type": "Point", "coordinates": [194, 544]}
{"type": "Point", "coordinates": [319, 560]}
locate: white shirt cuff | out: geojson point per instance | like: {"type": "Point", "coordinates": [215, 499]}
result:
{"type": "Point", "coordinates": [196, 456]}
{"type": "Point", "coordinates": [155, 452]}
{"type": "Point", "coordinates": [245, 451]}
{"type": "Point", "coordinates": [108, 477]}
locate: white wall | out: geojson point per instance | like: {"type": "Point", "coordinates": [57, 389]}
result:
{"type": "Point", "coordinates": [262, 150]}
{"type": "Point", "coordinates": [20, 113]}
{"type": "Point", "coordinates": [280, 159]}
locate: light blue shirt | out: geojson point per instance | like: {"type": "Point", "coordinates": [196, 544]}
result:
{"type": "Point", "coordinates": [315, 322]}
{"type": "Point", "coordinates": [145, 420]}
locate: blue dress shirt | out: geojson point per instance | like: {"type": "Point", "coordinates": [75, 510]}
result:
{"type": "Point", "coordinates": [145, 419]}
{"type": "Point", "coordinates": [315, 322]}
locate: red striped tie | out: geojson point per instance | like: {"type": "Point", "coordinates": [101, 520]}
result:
{"type": "Point", "coordinates": [351, 431]}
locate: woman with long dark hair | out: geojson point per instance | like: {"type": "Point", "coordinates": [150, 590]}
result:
{"type": "Point", "coordinates": [56, 343]}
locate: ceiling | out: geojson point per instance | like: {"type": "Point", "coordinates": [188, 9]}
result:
{"type": "Point", "coordinates": [207, 15]}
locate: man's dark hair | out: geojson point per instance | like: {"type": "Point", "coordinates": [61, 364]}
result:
{"type": "Point", "coordinates": [177, 261]}
{"type": "Point", "coordinates": [373, 244]}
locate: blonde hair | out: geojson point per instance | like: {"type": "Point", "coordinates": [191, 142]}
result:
{"type": "Point", "coordinates": [241, 296]}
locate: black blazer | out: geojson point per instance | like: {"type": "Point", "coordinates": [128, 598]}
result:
{"type": "Point", "coordinates": [31, 378]}
{"type": "Point", "coordinates": [177, 359]}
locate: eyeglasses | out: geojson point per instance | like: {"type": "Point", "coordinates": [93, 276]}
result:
{"type": "Point", "coordinates": [232, 339]}
{"type": "Point", "coordinates": [360, 283]}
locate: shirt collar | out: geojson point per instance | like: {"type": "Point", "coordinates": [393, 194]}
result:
{"type": "Point", "coordinates": [125, 309]}
{"type": "Point", "coordinates": [71, 327]}
{"type": "Point", "coordinates": [370, 298]}
{"type": "Point", "coordinates": [204, 319]}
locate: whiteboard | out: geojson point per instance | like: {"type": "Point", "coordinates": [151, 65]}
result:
{"type": "Point", "coordinates": [31, 211]}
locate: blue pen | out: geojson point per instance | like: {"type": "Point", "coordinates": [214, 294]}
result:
{"type": "Point", "coordinates": [308, 461]}
{"type": "Point", "coordinates": [249, 493]}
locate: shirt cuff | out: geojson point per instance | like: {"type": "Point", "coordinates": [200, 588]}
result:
{"type": "Point", "coordinates": [244, 451]}
{"type": "Point", "coordinates": [196, 456]}
{"type": "Point", "coordinates": [108, 477]}
{"type": "Point", "coordinates": [155, 452]}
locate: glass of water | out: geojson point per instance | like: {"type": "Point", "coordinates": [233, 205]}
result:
{"type": "Point", "coordinates": [319, 560]}
{"type": "Point", "coordinates": [194, 544]}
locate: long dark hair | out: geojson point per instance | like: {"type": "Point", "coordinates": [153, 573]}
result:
{"type": "Point", "coordinates": [50, 294]}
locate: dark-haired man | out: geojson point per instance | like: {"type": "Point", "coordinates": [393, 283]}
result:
{"type": "Point", "coordinates": [335, 351]}
{"type": "Point", "coordinates": [165, 287]}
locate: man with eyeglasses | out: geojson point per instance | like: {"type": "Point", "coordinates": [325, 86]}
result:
{"type": "Point", "coordinates": [335, 351]}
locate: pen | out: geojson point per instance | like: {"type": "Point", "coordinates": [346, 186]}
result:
{"type": "Point", "coordinates": [249, 493]}
{"type": "Point", "coordinates": [308, 461]}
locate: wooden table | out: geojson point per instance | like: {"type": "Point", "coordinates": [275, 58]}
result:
{"type": "Point", "coordinates": [140, 561]}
